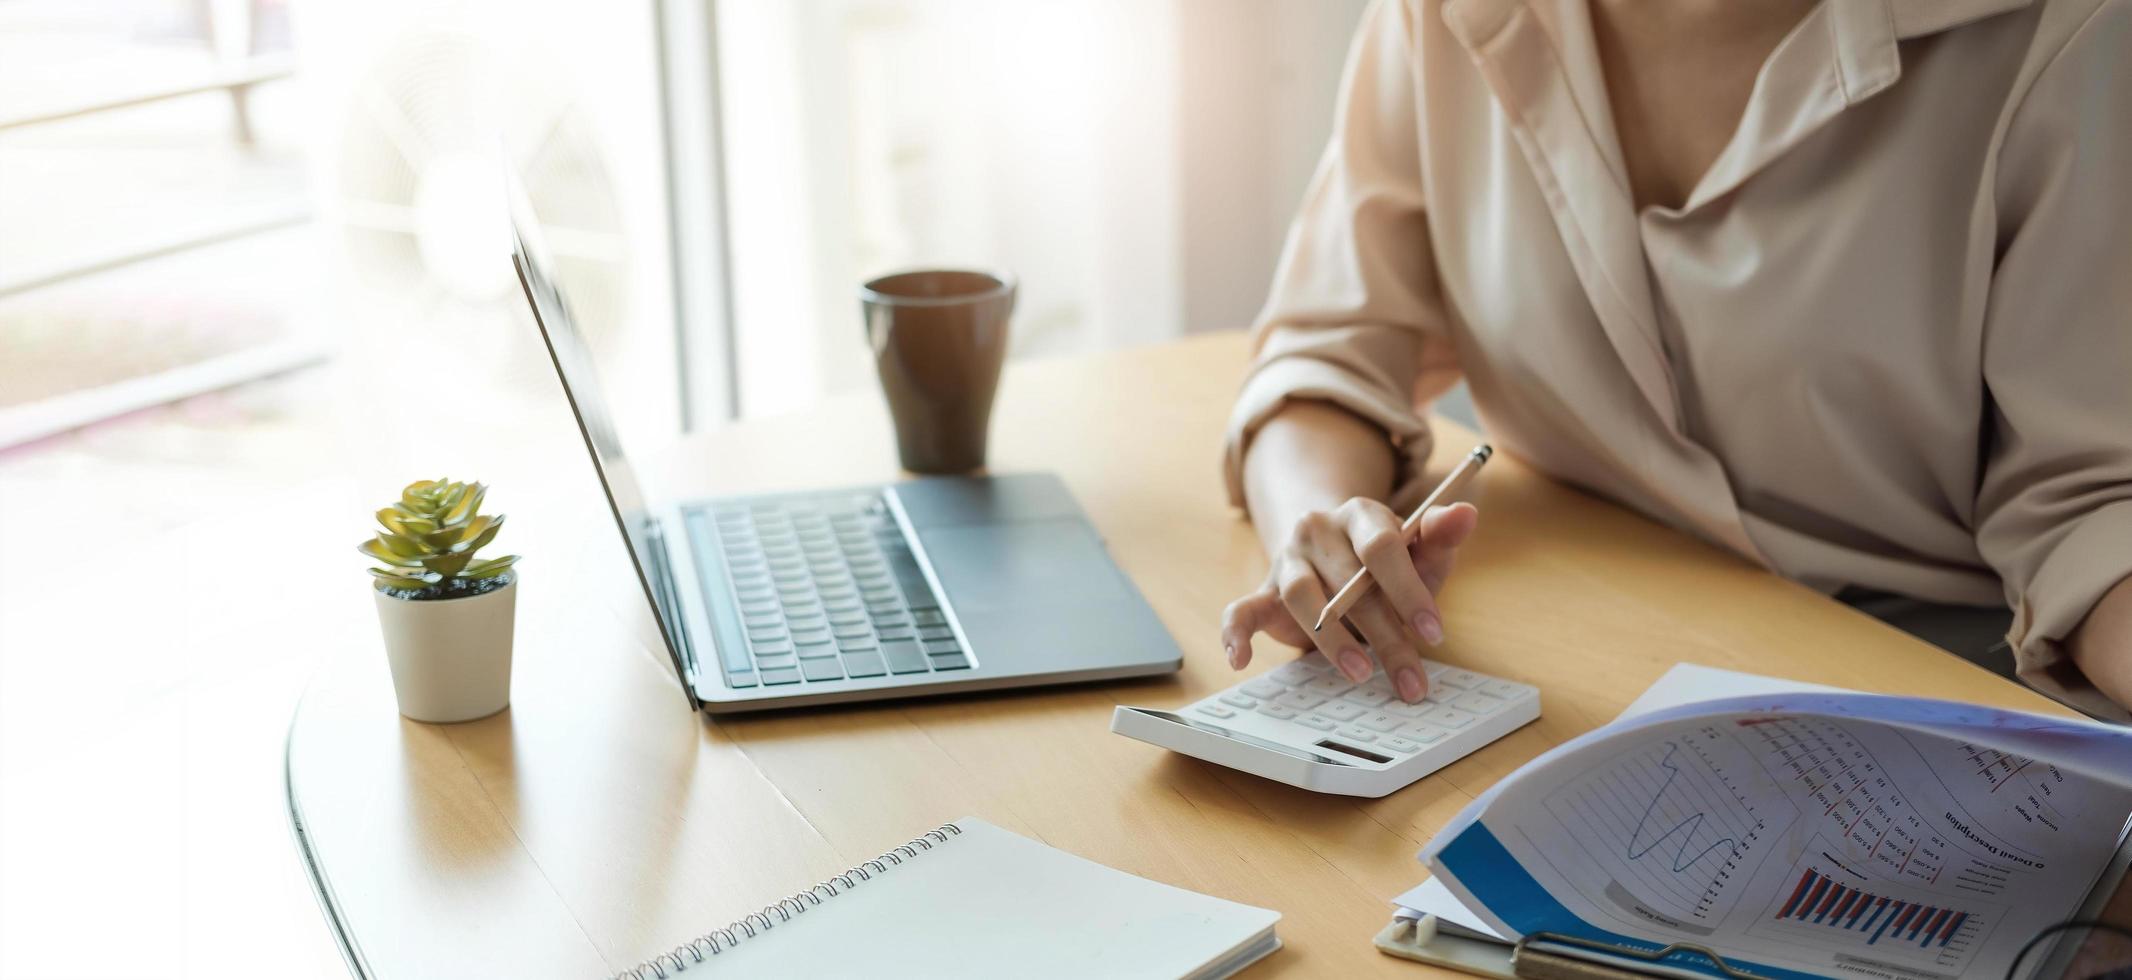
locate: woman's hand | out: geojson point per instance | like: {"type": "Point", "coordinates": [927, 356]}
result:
{"type": "Point", "coordinates": [1320, 553]}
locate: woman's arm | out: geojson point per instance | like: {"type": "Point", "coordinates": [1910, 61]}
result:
{"type": "Point", "coordinates": [2053, 509]}
{"type": "Point", "coordinates": [1312, 456]}
{"type": "Point", "coordinates": [1354, 318]}
{"type": "Point", "coordinates": [2102, 646]}
{"type": "Point", "coordinates": [1325, 427]}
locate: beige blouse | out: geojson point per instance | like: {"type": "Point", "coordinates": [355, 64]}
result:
{"type": "Point", "coordinates": [1887, 341]}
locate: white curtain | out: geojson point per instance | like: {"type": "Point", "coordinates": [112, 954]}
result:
{"type": "Point", "coordinates": [1133, 162]}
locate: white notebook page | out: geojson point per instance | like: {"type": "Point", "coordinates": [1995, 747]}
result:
{"type": "Point", "coordinates": [990, 903]}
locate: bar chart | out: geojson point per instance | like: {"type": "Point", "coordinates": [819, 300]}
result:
{"type": "Point", "coordinates": [1821, 900]}
{"type": "Point", "coordinates": [1828, 904]}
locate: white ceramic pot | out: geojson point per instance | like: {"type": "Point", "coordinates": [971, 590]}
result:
{"type": "Point", "coordinates": [451, 658]}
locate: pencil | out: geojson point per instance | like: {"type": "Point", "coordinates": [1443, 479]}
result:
{"type": "Point", "coordinates": [1361, 584]}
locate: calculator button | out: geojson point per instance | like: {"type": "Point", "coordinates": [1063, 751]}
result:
{"type": "Point", "coordinates": [1301, 700]}
{"type": "Point", "coordinates": [1400, 744]}
{"type": "Point", "coordinates": [1271, 710]}
{"type": "Point", "coordinates": [1342, 711]}
{"type": "Point", "coordinates": [1318, 721]}
{"type": "Point", "coordinates": [1352, 733]}
{"type": "Point", "coordinates": [1215, 711]}
{"type": "Point", "coordinates": [1448, 717]}
{"type": "Point", "coordinates": [1419, 733]}
{"type": "Point", "coordinates": [1403, 709]}
{"type": "Point", "coordinates": [1479, 704]}
{"type": "Point", "coordinates": [1239, 699]}
{"type": "Point", "coordinates": [1366, 697]}
{"type": "Point", "coordinates": [1463, 678]}
{"type": "Point", "coordinates": [1381, 721]}
{"type": "Point", "coordinates": [1330, 685]}
{"type": "Point", "coordinates": [1502, 689]}
{"type": "Point", "coordinates": [1293, 673]}
{"type": "Point", "coordinates": [1263, 688]}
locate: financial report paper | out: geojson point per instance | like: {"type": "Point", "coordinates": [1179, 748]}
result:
{"type": "Point", "coordinates": [1802, 834]}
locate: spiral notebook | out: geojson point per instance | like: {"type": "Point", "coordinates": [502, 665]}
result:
{"type": "Point", "coordinates": [972, 900]}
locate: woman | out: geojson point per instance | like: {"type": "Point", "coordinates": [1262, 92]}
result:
{"type": "Point", "coordinates": [1844, 287]}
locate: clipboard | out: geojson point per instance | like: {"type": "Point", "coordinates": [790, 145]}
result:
{"type": "Point", "coordinates": [1552, 956]}
{"type": "Point", "coordinates": [1541, 955]}
{"type": "Point", "coordinates": [1545, 956]}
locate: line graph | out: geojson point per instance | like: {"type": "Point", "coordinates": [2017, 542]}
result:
{"type": "Point", "coordinates": [1670, 822]}
{"type": "Point", "coordinates": [1685, 829]}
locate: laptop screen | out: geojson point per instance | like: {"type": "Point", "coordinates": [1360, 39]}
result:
{"type": "Point", "coordinates": [575, 367]}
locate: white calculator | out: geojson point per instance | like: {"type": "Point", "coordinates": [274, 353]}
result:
{"type": "Point", "coordinates": [1305, 724]}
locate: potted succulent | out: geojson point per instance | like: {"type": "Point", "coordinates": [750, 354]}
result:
{"type": "Point", "coordinates": [446, 616]}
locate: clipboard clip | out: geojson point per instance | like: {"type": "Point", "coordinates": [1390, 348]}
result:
{"type": "Point", "coordinates": [1535, 962]}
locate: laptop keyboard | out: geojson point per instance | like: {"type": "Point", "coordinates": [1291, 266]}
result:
{"type": "Point", "coordinates": [826, 589]}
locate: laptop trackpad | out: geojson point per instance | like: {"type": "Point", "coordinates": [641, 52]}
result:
{"type": "Point", "coordinates": [1015, 566]}
{"type": "Point", "coordinates": [1037, 587]}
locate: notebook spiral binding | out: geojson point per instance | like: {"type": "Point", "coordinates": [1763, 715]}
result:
{"type": "Point", "coordinates": [711, 943]}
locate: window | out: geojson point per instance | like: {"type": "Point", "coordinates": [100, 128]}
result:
{"type": "Point", "coordinates": [1134, 163]}
{"type": "Point", "coordinates": [145, 149]}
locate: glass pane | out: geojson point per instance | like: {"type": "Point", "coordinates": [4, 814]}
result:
{"type": "Point", "coordinates": [1133, 163]}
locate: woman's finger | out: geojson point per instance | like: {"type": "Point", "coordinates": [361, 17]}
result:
{"type": "Point", "coordinates": [1375, 535]}
{"type": "Point", "coordinates": [1394, 644]}
{"type": "Point", "coordinates": [1442, 530]}
{"type": "Point", "coordinates": [1260, 611]}
{"type": "Point", "coordinates": [1304, 596]}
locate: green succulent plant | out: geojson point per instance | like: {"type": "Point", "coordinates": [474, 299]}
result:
{"type": "Point", "coordinates": [429, 538]}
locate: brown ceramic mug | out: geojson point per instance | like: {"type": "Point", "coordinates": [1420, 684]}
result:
{"type": "Point", "coordinates": [939, 338]}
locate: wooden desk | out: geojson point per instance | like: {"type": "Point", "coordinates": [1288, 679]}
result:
{"type": "Point", "coordinates": [598, 821]}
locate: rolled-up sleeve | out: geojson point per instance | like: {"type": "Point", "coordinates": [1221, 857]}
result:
{"type": "Point", "coordinates": [1355, 316]}
{"type": "Point", "coordinates": [2054, 505]}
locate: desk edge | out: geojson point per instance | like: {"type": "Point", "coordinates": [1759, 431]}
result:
{"type": "Point", "coordinates": [314, 872]}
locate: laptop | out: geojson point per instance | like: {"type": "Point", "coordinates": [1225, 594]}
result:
{"type": "Point", "coordinates": [921, 587]}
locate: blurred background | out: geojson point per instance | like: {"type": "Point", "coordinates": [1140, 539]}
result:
{"type": "Point", "coordinates": [251, 256]}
